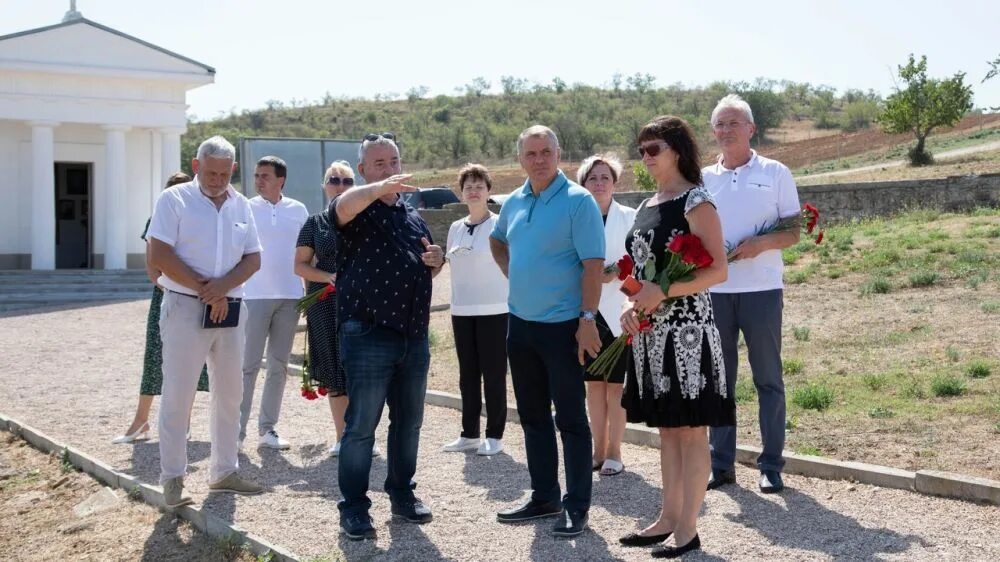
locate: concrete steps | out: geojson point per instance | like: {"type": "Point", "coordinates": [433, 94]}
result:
{"type": "Point", "coordinates": [25, 290]}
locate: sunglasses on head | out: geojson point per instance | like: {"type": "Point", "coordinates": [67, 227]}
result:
{"type": "Point", "coordinates": [334, 180]}
{"type": "Point", "coordinates": [653, 150]}
{"type": "Point", "coordinates": [376, 136]}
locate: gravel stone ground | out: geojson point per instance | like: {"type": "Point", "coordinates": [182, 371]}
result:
{"type": "Point", "coordinates": [74, 374]}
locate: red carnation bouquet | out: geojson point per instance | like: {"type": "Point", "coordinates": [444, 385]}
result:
{"type": "Point", "coordinates": [685, 254]}
{"type": "Point", "coordinates": [309, 392]}
{"type": "Point", "coordinates": [807, 220]}
{"type": "Point", "coordinates": [313, 297]}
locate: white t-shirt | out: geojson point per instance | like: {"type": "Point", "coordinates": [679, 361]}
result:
{"type": "Point", "coordinates": [210, 241]}
{"type": "Point", "coordinates": [478, 287]}
{"type": "Point", "coordinates": [760, 192]}
{"type": "Point", "coordinates": [278, 227]}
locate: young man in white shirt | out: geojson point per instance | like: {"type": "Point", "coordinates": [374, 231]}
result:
{"type": "Point", "coordinates": [271, 295]}
{"type": "Point", "coordinates": [203, 239]}
{"type": "Point", "coordinates": [750, 192]}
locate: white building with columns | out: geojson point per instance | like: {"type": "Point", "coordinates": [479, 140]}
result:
{"type": "Point", "coordinates": [90, 127]}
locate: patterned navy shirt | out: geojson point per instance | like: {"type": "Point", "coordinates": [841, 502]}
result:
{"type": "Point", "coordinates": [381, 277]}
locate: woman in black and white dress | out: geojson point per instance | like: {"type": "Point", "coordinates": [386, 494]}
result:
{"type": "Point", "coordinates": [676, 379]}
{"type": "Point", "coordinates": [478, 317]}
{"type": "Point", "coordinates": [599, 174]}
{"type": "Point", "coordinates": [316, 262]}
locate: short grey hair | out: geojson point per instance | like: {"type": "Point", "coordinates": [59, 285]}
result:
{"type": "Point", "coordinates": [366, 144]}
{"type": "Point", "coordinates": [733, 101]}
{"type": "Point", "coordinates": [608, 159]}
{"type": "Point", "coordinates": [536, 131]}
{"type": "Point", "coordinates": [216, 147]}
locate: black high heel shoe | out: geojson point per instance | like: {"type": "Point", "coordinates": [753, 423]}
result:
{"type": "Point", "coordinates": [635, 539]}
{"type": "Point", "coordinates": [677, 551]}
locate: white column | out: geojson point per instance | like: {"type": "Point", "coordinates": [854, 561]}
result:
{"type": "Point", "coordinates": [157, 181]}
{"type": "Point", "coordinates": [43, 195]}
{"type": "Point", "coordinates": [115, 202]}
{"type": "Point", "coordinates": [170, 159]}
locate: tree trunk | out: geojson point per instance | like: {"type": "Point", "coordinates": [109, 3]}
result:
{"type": "Point", "coordinates": [919, 155]}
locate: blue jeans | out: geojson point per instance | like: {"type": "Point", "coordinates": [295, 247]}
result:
{"type": "Point", "coordinates": [758, 316]}
{"type": "Point", "coordinates": [383, 367]}
{"type": "Point", "coordinates": [545, 370]}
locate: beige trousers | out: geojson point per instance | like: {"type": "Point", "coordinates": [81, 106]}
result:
{"type": "Point", "coordinates": [186, 347]}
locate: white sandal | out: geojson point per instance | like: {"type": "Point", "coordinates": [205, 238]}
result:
{"type": "Point", "coordinates": [612, 467]}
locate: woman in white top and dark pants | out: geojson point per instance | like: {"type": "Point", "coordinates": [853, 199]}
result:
{"type": "Point", "coordinates": [478, 316]}
{"type": "Point", "coordinates": [599, 174]}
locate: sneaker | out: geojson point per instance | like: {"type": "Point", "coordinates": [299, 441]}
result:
{"type": "Point", "coordinates": [489, 447]}
{"type": "Point", "coordinates": [530, 510]}
{"type": "Point", "coordinates": [173, 493]}
{"type": "Point", "coordinates": [770, 482]}
{"type": "Point", "coordinates": [270, 440]}
{"type": "Point", "coordinates": [571, 524]}
{"type": "Point", "coordinates": [462, 444]}
{"type": "Point", "coordinates": [721, 478]}
{"type": "Point", "coordinates": [233, 484]}
{"type": "Point", "coordinates": [412, 510]}
{"type": "Point", "coordinates": [358, 527]}
{"type": "Point", "coordinates": [335, 450]}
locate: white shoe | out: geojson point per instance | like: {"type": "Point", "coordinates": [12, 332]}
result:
{"type": "Point", "coordinates": [335, 450]}
{"type": "Point", "coordinates": [270, 440]}
{"type": "Point", "coordinates": [140, 434]}
{"type": "Point", "coordinates": [461, 444]}
{"type": "Point", "coordinates": [490, 447]}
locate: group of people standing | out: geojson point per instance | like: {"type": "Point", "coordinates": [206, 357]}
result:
{"type": "Point", "coordinates": [531, 288]}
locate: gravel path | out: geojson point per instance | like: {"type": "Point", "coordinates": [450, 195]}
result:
{"type": "Point", "coordinates": [74, 374]}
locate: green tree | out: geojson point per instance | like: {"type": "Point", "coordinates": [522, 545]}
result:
{"type": "Point", "coordinates": [923, 104]}
{"type": "Point", "coordinates": [768, 106]}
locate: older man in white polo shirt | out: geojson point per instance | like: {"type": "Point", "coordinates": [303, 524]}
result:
{"type": "Point", "coordinates": [750, 192]}
{"type": "Point", "coordinates": [204, 241]}
{"type": "Point", "coordinates": [271, 295]}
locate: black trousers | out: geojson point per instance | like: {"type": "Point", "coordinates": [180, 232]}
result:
{"type": "Point", "coordinates": [481, 343]}
{"type": "Point", "coordinates": [545, 371]}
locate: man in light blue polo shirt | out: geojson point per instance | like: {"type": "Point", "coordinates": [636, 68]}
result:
{"type": "Point", "coordinates": [549, 241]}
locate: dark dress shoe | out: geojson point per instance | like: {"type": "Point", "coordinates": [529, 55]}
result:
{"type": "Point", "coordinates": [530, 510]}
{"type": "Point", "coordinates": [721, 477]}
{"type": "Point", "coordinates": [678, 551]}
{"type": "Point", "coordinates": [412, 510]}
{"type": "Point", "coordinates": [571, 524]}
{"type": "Point", "coordinates": [770, 482]}
{"type": "Point", "coordinates": [358, 526]}
{"type": "Point", "coordinates": [635, 539]}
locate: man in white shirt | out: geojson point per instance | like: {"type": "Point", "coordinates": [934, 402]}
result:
{"type": "Point", "coordinates": [751, 192]}
{"type": "Point", "coordinates": [203, 239]}
{"type": "Point", "coordinates": [271, 295]}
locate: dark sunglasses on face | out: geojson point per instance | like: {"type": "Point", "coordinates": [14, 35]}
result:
{"type": "Point", "coordinates": [334, 180]}
{"type": "Point", "coordinates": [376, 136]}
{"type": "Point", "coordinates": [653, 150]}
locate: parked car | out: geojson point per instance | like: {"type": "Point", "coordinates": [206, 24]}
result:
{"type": "Point", "coordinates": [430, 197]}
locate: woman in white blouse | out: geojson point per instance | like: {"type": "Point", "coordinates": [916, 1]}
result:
{"type": "Point", "coordinates": [599, 174]}
{"type": "Point", "coordinates": [478, 317]}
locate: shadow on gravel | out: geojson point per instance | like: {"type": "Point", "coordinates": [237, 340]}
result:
{"type": "Point", "coordinates": [629, 495]}
{"type": "Point", "coordinates": [165, 544]}
{"type": "Point", "coordinates": [795, 520]}
{"type": "Point", "coordinates": [545, 547]}
{"type": "Point", "coordinates": [146, 459]}
{"type": "Point", "coordinates": [407, 542]}
{"type": "Point", "coordinates": [505, 479]}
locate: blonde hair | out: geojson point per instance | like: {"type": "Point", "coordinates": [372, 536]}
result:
{"type": "Point", "coordinates": [340, 166]}
{"type": "Point", "coordinates": [608, 159]}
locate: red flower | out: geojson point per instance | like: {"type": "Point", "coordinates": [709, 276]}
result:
{"type": "Point", "coordinates": [625, 267]}
{"type": "Point", "coordinates": [820, 237]}
{"type": "Point", "coordinates": [691, 250]}
{"type": "Point", "coordinates": [327, 291]}
{"type": "Point", "coordinates": [305, 392]}
{"type": "Point", "coordinates": [322, 391]}
{"type": "Point", "coordinates": [645, 324]}
{"type": "Point", "coordinates": [812, 217]}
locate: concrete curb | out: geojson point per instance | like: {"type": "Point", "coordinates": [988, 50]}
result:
{"type": "Point", "coordinates": [208, 523]}
{"type": "Point", "coordinates": [928, 482]}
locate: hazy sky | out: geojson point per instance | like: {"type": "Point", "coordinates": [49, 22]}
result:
{"type": "Point", "coordinates": [302, 49]}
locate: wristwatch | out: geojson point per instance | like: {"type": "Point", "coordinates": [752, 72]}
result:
{"type": "Point", "coordinates": [588, 315]}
